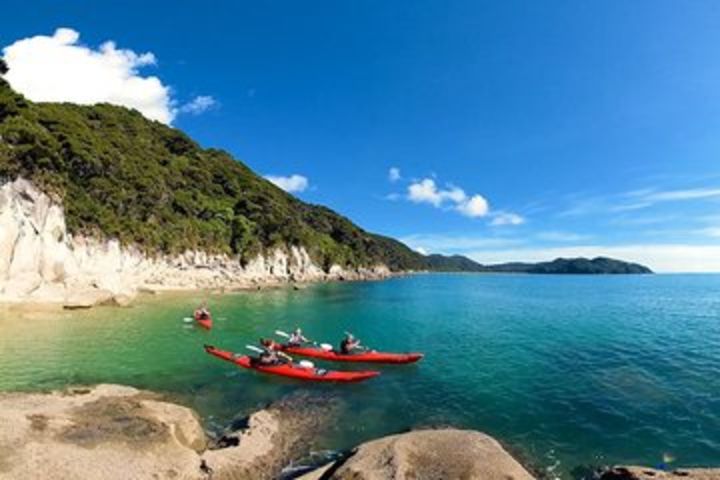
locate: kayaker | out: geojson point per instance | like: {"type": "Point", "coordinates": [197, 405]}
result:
{"type": "Point", "coordinates": [202, 311]}
{"type": "Point", "coordinates": [271, 355]}
{"type": "Point", "coordinates": [297, 338]}
{"type": "Point", "coordinates": [270, 344]}
{"type": "Point", "coordinates": [348, 344]}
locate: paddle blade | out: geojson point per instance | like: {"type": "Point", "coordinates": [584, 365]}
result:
{"type": "Point", "coordinates": [306, 364]}
{"type": "Point", "coordinates": [326, 346]}
{"type": "Point", "coordinates": [254, 348]}
{"type": "Point", "coordinates": [282, 334]}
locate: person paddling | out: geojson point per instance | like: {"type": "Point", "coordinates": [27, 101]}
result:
{"type": "Point", "coordinates": [202, 312]}
{"type": "Point", "coordinates": [348, 344]}
{"type": "Point", "coordinates": [270, 354]}
{"type": "Point", "coordinates": [297, 338]}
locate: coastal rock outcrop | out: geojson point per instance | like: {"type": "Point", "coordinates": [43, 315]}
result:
{"type": "Point", "coordinates": [273, 438]}
{"type": "Point", "coordinates": [427, 455]}
{"type": "Point", "coordinates": [41, 262]}
{"type": "Point", "coordinates": [109, 431]}
{"type": "Point", "coordinates": [644, 473]}
{"type": "Point", "coordinates": [117, 432]}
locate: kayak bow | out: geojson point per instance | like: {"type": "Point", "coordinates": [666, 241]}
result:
{"type": "Point", "coordinates": [364, 357]}
{"type": "Point", "coordinates": [291, 370]}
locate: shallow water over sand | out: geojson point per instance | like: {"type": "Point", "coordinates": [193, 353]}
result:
{"type": "Point", "coordinates": [566, 370]}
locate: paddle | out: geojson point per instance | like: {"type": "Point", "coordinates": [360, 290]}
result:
{"type": "Point", "coordinates": [282, 334]}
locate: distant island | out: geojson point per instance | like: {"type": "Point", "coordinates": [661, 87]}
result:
{"type": "Point", "coordinates": [598, 265]}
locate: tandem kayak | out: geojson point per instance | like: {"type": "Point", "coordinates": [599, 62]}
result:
{"type": "Point", "coordinates": [364, 357]}
{"type": "Point", "coordinates": [204, 321]}
{"type": "Point", "coordinates": [292, 370]}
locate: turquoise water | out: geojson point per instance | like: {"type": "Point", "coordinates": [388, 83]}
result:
{"type": "Point", "coordinates": [565, 370]}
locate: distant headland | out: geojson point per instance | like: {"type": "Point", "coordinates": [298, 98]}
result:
{"type": "Point", "coordinates": [579, 266]}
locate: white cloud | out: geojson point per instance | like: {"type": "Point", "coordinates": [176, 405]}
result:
{"type": "Point", "coordinates": [507, 218]}
{"type": "Point", "coordinates": [427, 191]}
{"type": "Point", "coordinates": [291, 184]}
{"type": "Point", "coordinates": [59, 68]}
{"type": "Point", "coordinates": [660, 257]}
{"type": "Point", "coordinates": [394, 174]}
{"type": "Point", "coordinates": [199, 104]}
{"type": "Point", "coordinates": [421, 250]}
{"type": "Point", "coordinates": [475, 206]}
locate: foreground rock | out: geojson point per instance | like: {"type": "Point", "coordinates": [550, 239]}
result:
{"type": "Point", "coordinates": [41, 262]}
{"type": "Point", "coordinates": [427, 455]}
{"type": "Point", "coordinates": [643, 473]}
{"type": "Point", "coordinates": [115, 432]}
{"type": "Point", "coordinates": [105, 432]}
{"type": "Point", "coordinates": [274, 437]}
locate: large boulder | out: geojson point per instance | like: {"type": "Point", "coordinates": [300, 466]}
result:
{"type": "Point", "coordinates": [429, 455]}
{"type": "Point", "coordinates": [115, 432]}
{"type": "Point", "coordinates": [270, 438]}
{"type": "Point", "coordinates": [644, 473]}
{"type": "Point", "coordinates": [108, 431]}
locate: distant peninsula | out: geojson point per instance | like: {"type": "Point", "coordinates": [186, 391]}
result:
{"type": "Point", "coordinates": [579, 266]}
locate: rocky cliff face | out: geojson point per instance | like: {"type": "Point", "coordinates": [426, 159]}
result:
{"type": "Point", "coordinates": [41, 262]}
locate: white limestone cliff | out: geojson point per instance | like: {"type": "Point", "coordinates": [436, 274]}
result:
{"type": "Point", "coordinates": [41, 262]}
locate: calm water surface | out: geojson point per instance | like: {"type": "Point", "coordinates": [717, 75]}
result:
{"type": "Point", "coordinates": [565, 370]}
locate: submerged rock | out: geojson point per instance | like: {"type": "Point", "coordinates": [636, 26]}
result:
{"type": "Point", "coordinates": [427, 455]}
{"type": "Point", "coordinates": [644, 473]}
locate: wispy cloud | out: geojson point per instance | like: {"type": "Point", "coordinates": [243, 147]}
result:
{"type": "Point", "coordinates": [680, 195]}
{"type": "Point", "coordinates": [394, 174]}
{"type": "Point", "coordinates": [558, 236]}
{"type": "Point", "coordinates": [633, 200]}
{"type": "Point", "coordinates": [199, 104]}
{"type": "Point", "coordinates": [710, 232]}
{"type": "Point", "coordinates": [451, 243]}
{"type": "Point", "coordinates": [506, 218]}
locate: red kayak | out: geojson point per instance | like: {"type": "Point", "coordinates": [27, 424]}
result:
{"type": "Point", "coordinates": [364, 357]}
{"type": "Point", "coordinates": [204, 320]}
{"type": "Point", "coordinates": [292, 370]}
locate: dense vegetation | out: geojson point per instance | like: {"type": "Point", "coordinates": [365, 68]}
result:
{"type": "Point", "coordinates": [121, 175]}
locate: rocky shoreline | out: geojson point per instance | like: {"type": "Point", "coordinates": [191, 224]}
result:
{"type": "Point", "coordinates": [41, 262]}
{"type": "Point", "coordinates": [119, 432]}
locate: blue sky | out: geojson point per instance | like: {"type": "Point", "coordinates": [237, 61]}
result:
{"type": "Point", "coordinates": [519, 130]}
